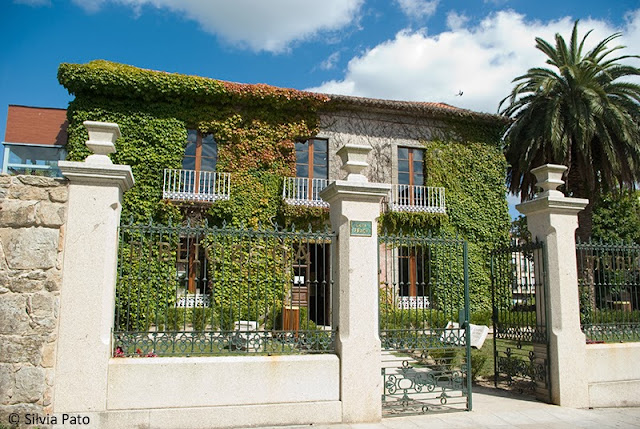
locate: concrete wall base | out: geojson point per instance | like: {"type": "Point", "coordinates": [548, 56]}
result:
{"type": "Point", "coordinates": [615, 394]}
{"type": "Point", "coordinates": [301, 413]}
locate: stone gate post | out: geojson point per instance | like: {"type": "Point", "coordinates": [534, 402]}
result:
{"type": "Point", "coordinates": [553, 219]}
{"type": "Point", "coordinates": [87, 296]}
{"type": "Point", "coordinates": [355, 207]}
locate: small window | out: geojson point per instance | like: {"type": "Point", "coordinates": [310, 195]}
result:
{"type": "Point", "coordinates": [312, 159]}
{"type": "Point", "coordinates": [410, 166]}
{"type": "Point", "coordinates": [31, 159]}
{"type": "Point", "coordinates": [201, 153]}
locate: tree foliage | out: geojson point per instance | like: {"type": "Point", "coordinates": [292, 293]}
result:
{"type": "Point", "coordinates": [582, 112]}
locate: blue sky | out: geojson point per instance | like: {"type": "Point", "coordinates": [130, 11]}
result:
{"type": "Point", "coordinates": [423, 50]}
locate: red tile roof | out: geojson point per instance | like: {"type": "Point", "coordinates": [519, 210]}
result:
{"type": "Point", "coordinates": [36, 125]}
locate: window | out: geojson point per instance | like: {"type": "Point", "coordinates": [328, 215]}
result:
{"type": "Point", "coordinates": [411, 263]}
{"type": "Point", "coordinates": [32, 159]}
{"type": "Point", "coordinates": [410, 176]}
{"type": "Point", "coordinates": [312, 159]}
{"type": "Point", "coordinates": [410, 166]}
{"type": "Point", "coordinates": [201, 153]}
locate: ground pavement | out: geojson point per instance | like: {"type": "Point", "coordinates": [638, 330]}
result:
{"type": "Point", "coordinates": [499, 409]}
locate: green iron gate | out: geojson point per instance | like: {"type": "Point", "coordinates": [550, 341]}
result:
{"type": "Point", "coordinates": [520, 323]}
{"type": "Point", "coordinates": [424, 309]}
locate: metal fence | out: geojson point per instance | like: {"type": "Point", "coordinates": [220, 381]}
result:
{"type": "Point", "coordinates": [192, 185]}
{"type": "Point", "coordinates": [304, 191]}
{"type": "Point", "coordinates": [609, 286]}
{"type": "Point", "coordinates": [412, 198]}
{"type": "Point", "coordinates": [520, 320]}
{"type": "Point", "coordinates": [424, 314]}
{"type": "Point", "coordinates": [200, 290]}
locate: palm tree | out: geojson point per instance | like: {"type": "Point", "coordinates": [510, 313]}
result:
{"type": "Point", "coordinates": [580, 113]}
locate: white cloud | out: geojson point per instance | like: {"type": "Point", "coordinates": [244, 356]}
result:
{"type": "Point", "coordinates": [417, 9]}
{"type": "Point", "coordinates": [481, 60]}
{"type": "Point", "coordinates": [331, 61]}
{"type": "Point", "coordinates": [259, 25]}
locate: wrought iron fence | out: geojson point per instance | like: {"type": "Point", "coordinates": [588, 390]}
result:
{"type": "Point", "coordinates": [520, 324]}
{"type": "Point", "coordinates": [423, 316]}
{"type": "Point", "coordinates": [609, 286]}
{"type": "Point", "coordinates": [200, 290]}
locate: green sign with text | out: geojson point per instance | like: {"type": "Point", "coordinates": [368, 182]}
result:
{"type": "Point", "coordinates": [361, 228]}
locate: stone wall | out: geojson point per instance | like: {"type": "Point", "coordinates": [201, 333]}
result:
{"type": "Point", "coordinates": [384, 132]}
{"type": "Point", "coordinates": [32, 217]}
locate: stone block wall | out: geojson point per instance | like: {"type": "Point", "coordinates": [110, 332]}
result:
{"type": "Point", "coordinates": [32, 217]}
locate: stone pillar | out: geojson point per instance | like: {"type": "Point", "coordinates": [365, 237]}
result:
{"type": "Point", "coordinates": [553, 219]}
{"type": "Point", "coordinates": [355, 207]}
{"type": "Point", "coordinates": [87, 297]}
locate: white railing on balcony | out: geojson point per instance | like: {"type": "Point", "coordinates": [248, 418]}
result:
{"type": "Point", "coordinates": [191, 185]}
{"type": "Point", "coordinates": [302, 191]}
{"type": "Point", "coordinates": [411, 198]}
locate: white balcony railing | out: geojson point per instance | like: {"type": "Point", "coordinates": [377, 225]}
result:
{"type": "Point", "coordinates": [191, 185]}
{"type": "Point", "coordinates": [302, 191]}
{"type": "Point", "coordinates": [411, 198]}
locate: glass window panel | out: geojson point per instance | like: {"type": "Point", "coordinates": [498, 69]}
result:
{"type": "Point", "coordinates": [417, 167]}
{"type": "Point", "coordinates": [190, 150]}
{"type": "Point", "coordinates": [189, 163]}
{"type": "Point", "coordinates": [35, 155]}
{"type": "Point", "coordinates": [403, 178]}
{"type": "Point", "coordinates": [320, 145]}
{"type": "Point", "coordinates": [418, 154]}
{"type": "Point", "coordinates": [208, 164]}
{"type": "Point", "coordinates": [403, 166]}
{"type": "Point", "coordinates": [302, 157]}
{"type": "Point", "coordinates": [319, 158]}
{"type": "Point", "coordinates": [192, 136]}
{"type": "Point", "coordinates": [210, 150]}
{"type": "Point", "coordinates": [403, 153]}
{"type": "Point", "coordinates": [418, 180]}
{"type": "Point", "coordinates": [320, 172]}
{"type": "Point", "coordinates": [302, 170]}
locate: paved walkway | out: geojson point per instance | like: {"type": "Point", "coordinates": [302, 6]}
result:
{"type": "Point", "coordinates": [503, 410]}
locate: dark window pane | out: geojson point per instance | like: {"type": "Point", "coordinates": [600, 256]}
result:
{"type": "Point", "coordinates": [210, 150]}
{"type": "Point", "coordinates": [418, 179]}
{"type": "Point", "coordinates": [189, 163]}
{"type": "Point", "coordinates": [417, 167]}
{"type": "Point", "coordinates": [319, 158]}
{"type": "Point", "coordinates": [403, 153]}
{"type": "Point", "coordinates": [208, 164]}
{"type": "Point", "coordinates": [403, 178]}
{"type": "Point", "coordinates": [320, 172]}
{"type": "Point", "coordinates": [403, 166]}
{"type": "Point", "coordinates": [320, 145]}
{"type": "Point", "coordinates": [190, 150]}
{"type": "Point", "coordinates": [418, 154]}
{"type": "Point", "coordinates": [192, 136]}
{"type": "Point", "coordinates": [302, 170]}
{"type": "Point", "coordinates": [302, 157]}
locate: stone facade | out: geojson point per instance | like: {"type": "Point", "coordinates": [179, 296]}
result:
{"type": "Point", "coordinates": [32, 218]}
{"type": "Point", "coordinates": [382, 131]}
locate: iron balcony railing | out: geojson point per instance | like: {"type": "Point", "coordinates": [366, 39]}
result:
{"type": "Point", "coordinates": [191, 185]}
{"type": "Point", "coordinates": [303, 191]}
{"type": "Point", "coordinates": [411, 198]}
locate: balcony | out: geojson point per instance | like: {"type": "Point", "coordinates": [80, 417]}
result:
{"type": "Point", "coordinates": [411, 198]}
{"type": "Point", "coordinates": [198, 186]}
{"type": "Point", "coordinates": [302, 191]}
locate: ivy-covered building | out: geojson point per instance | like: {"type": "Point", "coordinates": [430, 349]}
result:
{"type": "Point", "coordinates": [248, 155]}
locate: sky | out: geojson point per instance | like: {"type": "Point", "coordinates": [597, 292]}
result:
{"type": "Point", "coordinates": [461, 52]}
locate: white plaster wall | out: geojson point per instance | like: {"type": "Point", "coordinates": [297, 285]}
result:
{"type": "Point", "coordinates": [151, 383]}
